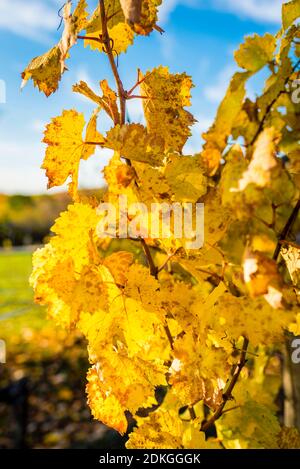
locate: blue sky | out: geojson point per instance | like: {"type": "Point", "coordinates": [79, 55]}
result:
{"type": "Point", "coordinates": [200, 38]}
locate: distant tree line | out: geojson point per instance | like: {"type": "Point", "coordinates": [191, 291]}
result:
{"type": "Point", "coordinates": [27, 220]}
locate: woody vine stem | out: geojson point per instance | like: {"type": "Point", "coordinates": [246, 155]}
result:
{"type": "Point", "coordinates": [108, 49]}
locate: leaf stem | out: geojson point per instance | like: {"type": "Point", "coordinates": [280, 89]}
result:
{"type": "Point", "coordinates": [90, 38]}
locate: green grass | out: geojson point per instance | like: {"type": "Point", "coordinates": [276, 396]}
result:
{"type": "Point", "coordinates": [53, 360]}
{"type": "Point", "coordinates": [17, 309]}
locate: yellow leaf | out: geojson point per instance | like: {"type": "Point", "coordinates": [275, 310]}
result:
{"type": "Point", "coordinates": [148, 17]}
{"type": "Point", "coordinates": [259, 273]}
{"type": "Point", "coordinates": [45, 262]}
{"type": "Point", "coordinates": [74, 230]}
{"type": "Point", "coordinates": [129, 384]}
{"type": "Point", "coordinates": [66, 147]}
{"type": "Point", "coordinates": [163, 429]}
{"type": "Point", "coordinates": [217, 218]}
{"type": "Point", "coordinates": [155, 186]}
{"type": "Point", "coordinates": [252, 425]}
{"type": "Point", "coordinates": [118, 264]}
{"type": "Point", "coordinates": [197, 375]}
{"type": "Point", "coordinates": [105, 408]}
{"type": "Point", "coordinates": [143, 287]}
{"type": "Point", "coordinates": [186, 178]}
{"type": "Point", "coordinates": [289, 438]}
{"type": "Point", "coordinates": [134, 143]}
{"type": "Point", "coordinates": [168, 95]}
{"type": "Point", "coordinates": [119, 31]}
{"type": "Point", "coordinates": [263, 161]}
{"type": "Point", "coordinates": [256, 52]}
{"type": "Point", "coordinates": [291, 255]}
{"type": "Point", "coordinates": [232, 317]}
{"type": "Point", "coordinates": [83, 88]}
{"type": "Point", "coordinates": [60, 276]}
{"type": "Point", "coordinates": [230, 107]}
{"type": "Point", "coordinates": [110, 99]}
{"type": "Point", "coordinates": [290, 12]}
{"type": "Point", "coordinates": [47, 69]}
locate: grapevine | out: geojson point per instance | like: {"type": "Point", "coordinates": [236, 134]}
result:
{"type": "Point", "coordinates": [189, 336]}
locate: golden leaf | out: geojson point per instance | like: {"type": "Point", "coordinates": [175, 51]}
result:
{"type": "Point", "coordinates": [133, 142]}
{"type": "Point", "coordinates": [256, 52]}
{"type": "Point", "coordinates": [47, 69]}
{"type": "Point", "coordinates": [168, 95]}
{"type": "Point", "coordinates": [66, 147]}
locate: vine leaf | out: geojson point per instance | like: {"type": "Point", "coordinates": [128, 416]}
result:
{"type": "Point", "coordinates": [46, 70]}
{"type": "Point", "coordinates": [256, 52]}
{"type": "Point", "coordinates": [168, 94]}
{"type": "Point", "coordinates": [217, 135]}
{"type": "Point", "coordinates": [66, 147]}
{"type": "Point", "coordinates": [263, 162]}
{"type": "Point", "coordinates": [133, 142]}
{"type": "Point", "coordinates": [290, 12]}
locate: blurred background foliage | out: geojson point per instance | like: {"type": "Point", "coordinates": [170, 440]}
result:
{"type": "Point", "coordinates": [27, 219]}
{"type": "Point", "coordinates": [42, 384]}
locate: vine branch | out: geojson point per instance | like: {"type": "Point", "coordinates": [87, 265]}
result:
{"type": "Point", "coordinates": [288, 226]}
{"type": "Point", "coordinates": [108, 49]}
{"type": "Point", "coordinates": [228, 393]}
{"type": "Point", "coordinates": [271, 104]}
{"type": "Point", "coordinates": [152, 266]}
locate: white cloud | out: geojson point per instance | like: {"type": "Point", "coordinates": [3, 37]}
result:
{"type": "Point", "coordinates": [168, 6]}
{"type": "Point", "coordinates": [215, 92]}
{"type": "Point", "coordinates": [38, 20]}
{"type": "Point", "coordinates": [31, 18]}
{"type": "Point", "coordinates": [266, 11]}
